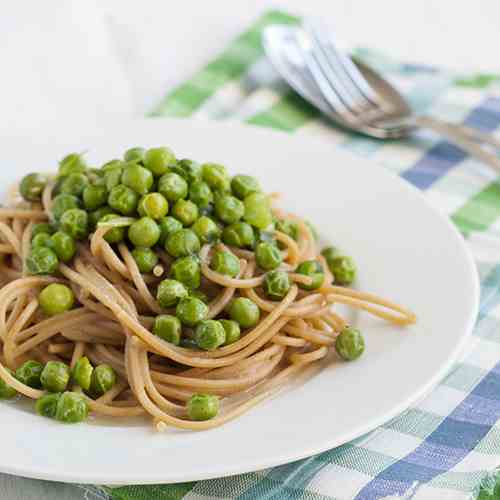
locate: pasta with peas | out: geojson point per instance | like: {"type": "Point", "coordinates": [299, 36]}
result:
{"type": "Point", "coordinates": [156, 285]}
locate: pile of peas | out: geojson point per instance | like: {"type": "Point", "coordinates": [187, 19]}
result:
{"type": "Point", "coordinates": [55, 377]}
{"type": "Point", "coordinates": [178, 206]}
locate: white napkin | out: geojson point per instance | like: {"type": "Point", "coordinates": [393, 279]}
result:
{"type": "Point", "coordinates": [58, 63]}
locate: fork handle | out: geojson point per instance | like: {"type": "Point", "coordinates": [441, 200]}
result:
{"type": "Point", "coordinates": [464, 138]}
{"type": "Point", "coordinates": [479, 136]}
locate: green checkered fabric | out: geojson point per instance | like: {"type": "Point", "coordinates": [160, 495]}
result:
{"type": "Point", "coordinates": [447, 446]}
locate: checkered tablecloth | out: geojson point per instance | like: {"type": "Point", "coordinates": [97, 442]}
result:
{"type": "Point", "coordinates": [446, 447]}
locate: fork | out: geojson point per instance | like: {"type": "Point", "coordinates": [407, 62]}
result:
{"type": "Point", "coordinates": [358, 98]}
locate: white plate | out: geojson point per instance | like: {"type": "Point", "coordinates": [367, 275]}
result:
{"type": "Point", "coordinates": [404, 249]}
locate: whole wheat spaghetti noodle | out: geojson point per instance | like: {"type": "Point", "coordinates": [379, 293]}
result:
{"type": "Point", "coordinates": [114, 276]}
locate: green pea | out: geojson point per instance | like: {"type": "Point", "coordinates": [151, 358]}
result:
{"type": "Point", "coordinates": [239, 234]}
{"type": "Point", "coordinates": [95, 196]}
{"type": "Point", "coordinates": [187, 271]}
{"type": "Point", "coordinates": [313, 269]}
{"type": "Point", "coordinates": [102, 380]}
{"type": "Point", "coordinates": [138, 178]}
{"type": "Point", "coordinates": [47, 404]}
{"type": "Point", "coordinates": [232, 330]}
{"type": "Point", "coordinates": [343, 269]}
{"type": "Point", "coordinates": [145, 259]}
{"type": "Point", "coordinates": [42, 260]}
{"type": "Point", "coordinates": [71, 408]}
{"type": "Point", "coordinates": [191, 311]}
{"type": "Point", "coordinates": [41, 240]}
{"type": "Point", "coordinates": [201, 194]}
{"type": "Point", "coordinates": [95, 176]}
{"type": "Point", "coordinates": [206, 229]}
{"type": "Point", "coordinates": [244, 311]}
{"type": "Point", "coordinates": [158, 160]}
{"type": "Point", "coordinates": [74, 184]}
{"type": "Point", "coordinates": [75, 222]}
{"type": "Point", "coordinates": [289, 227]}
{"type": "Point", "coordinates": [202, 406]}
{"type": "Point", "coordinates": [258, 210]}
{"type": "Point", "coordinates": [185, 211]}
{"type": "Point", "coordinates": [97, 215]}
{"type": "Point", "coordinates": [350, 344]}
{"type": "Point", "coordinates": [73, 163]}
{"type": "Point", "coordinates": [113, 175]}
{"type": "Point", "coordinates": [329, 253]}
{"type": "Point", "coordinates": [215, 176]}
{"type": "Point", "coordinates": [182, 243]}
{"type": "Point", "coordinates": [62, 203]}
{"type": "Point", "coordinates": [55, 376]}
{"type": "Point", "coordinates": [32, 186]}
{"type": "Point", "coordinates": [29, 373]}
{"type": "Point", "coordinates": [243, 185]}
{"type": "Point", "coordinates": [168, 225]}
{"type": "Point", "coordinates": [228, 208]}
{"type": "Point", "coordinates": [173, 187]}
{"type": "Point", "coordinates": [134, 154]}
{"type": "Point", "coordinates": [170, 292]}
{"type": "Point", "coordinates": [268, 256]}
{"type": "Point", "coordinates": [56, 299]}
{"type": "Point", "coordinates": [153, 205]}
{"type": "Point", "coordinates": [144, 232]}
{"type": "Point", "coordinates": [276, 284]}
{"type": "Point", "coordinates": [225, 263]}
{"type": "Point", "coordinates": [115, 234]}
{"type": "Point", "coordinates": [41, 228]}
{"type": "Point", "coordinates": [189, 170]}
{"type": "Point", "coordinates": [6, 391]}
{"type": "Point", "coordinates": [82, 373]}
{"type": "Point", "coordinates": [111, 164]}
{"type": "Point", "coordinates": [198, 294]}
{"type": "Point", "coordinates": [209, 335]}
{"type": "Point", "coordinates": [168, 328]}
{"type": "Point", "coordinates": [123, 199]}
{"type": "Point", "coordinates": [63, 245]}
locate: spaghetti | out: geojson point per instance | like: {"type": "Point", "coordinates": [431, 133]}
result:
{"type": "Point", "coordinates": [116, 304]}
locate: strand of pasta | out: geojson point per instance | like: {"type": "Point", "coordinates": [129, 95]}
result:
{"type": "Point", "coordinates": [136, 276]}
{"type": "Point", "coordinates": [14, 289]}
{"type": "Point", "coordinates": [9, 346]}
{"type": "Point", "coordinates": [78, 352]}
{"type": "Point", "coordinates": [180, 354]}
{"type": "Point", "coordinates": [47, 196]}
{"type": "Point", "coordinates": [402, 319]}
{"type": "Point", "coordinates": [20, 213]}
{"type": "Point", "coordinates": [293, 253]}
{"type": "Point", "coordinates": [369, 297]}
{"type": "Point", "coordinates": [8, 234]}
{"type": "Point", "coordinates": [17, 229]}
{"type": "Point", "coordinates": [137, 383]}
{"type": "Point", "coordinates": [99, 247]}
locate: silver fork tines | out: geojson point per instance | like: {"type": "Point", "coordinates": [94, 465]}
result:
{"type": "Point", "coordinates": [355, 96]}
{"type": "Point", "coordinates": [336, 73]}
